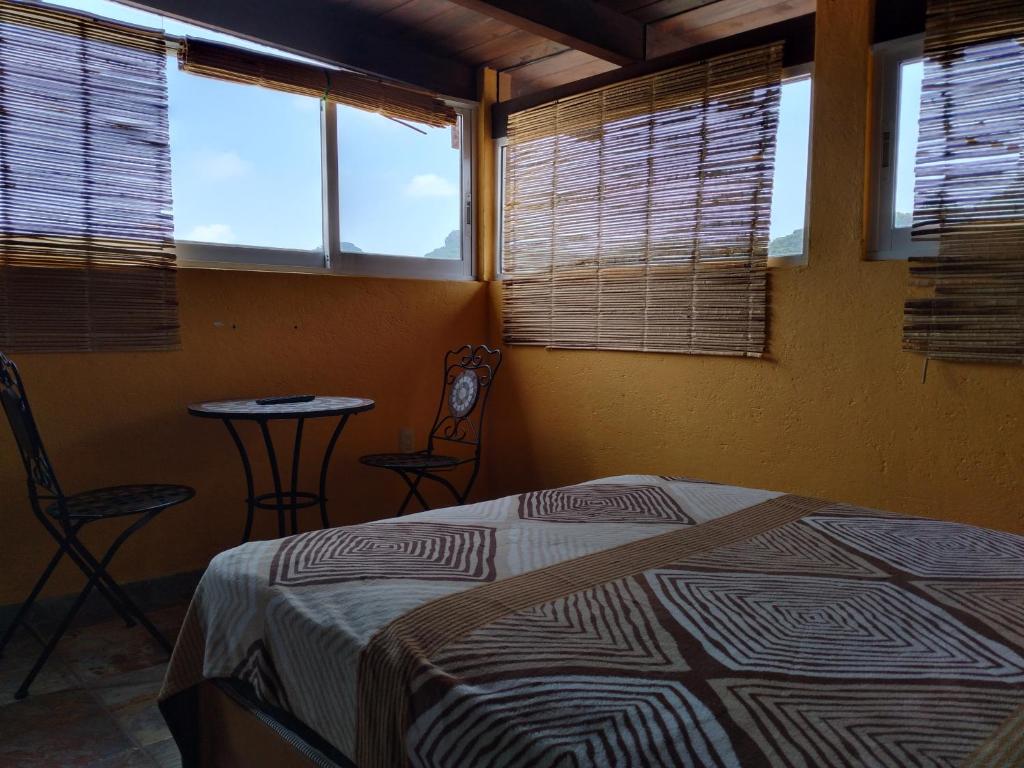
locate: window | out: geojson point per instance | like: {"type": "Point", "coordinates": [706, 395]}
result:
{"type": "Point", "coordinates": [402, 189]}
{"type": "Point", "coordinates": [787, 236]}
{"type": "Point", "coordinates": [898, 74]}
{"type": "Point", "coordinates": [266, 178]}
{"type": "Point", "coordinates": [788, 230]}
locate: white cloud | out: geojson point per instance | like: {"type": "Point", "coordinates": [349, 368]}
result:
{"type": "Point", "coordinates": [218, 166]}
{"type": "Point", "coordinates": [212, 233]}
{"type": "Point", "coordinates": [430, 185]}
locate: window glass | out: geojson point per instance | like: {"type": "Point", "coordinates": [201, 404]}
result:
{"type": "Point", "coordinates": [789, 184]}
{"type": "Point", "coordinates": [245, 164]}
{"type": "Point", "coordinates": [911, 74]}
{"type": "Point", "coordinates": [399, 186]}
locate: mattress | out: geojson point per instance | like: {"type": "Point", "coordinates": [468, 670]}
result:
{"type": "Point", "coordinates": [633, 620]}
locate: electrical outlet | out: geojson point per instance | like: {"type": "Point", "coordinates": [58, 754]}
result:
{"type": "Point", "coordinates": [406, 440]}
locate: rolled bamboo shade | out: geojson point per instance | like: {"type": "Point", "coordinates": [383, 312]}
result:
{"type": "Point", "coordinates": [86, 236]}
{"type": "Point", "coordinates": [967, 302]}
{"type": "Point", "coordinates": [636, 215]}
{"type": "Point", "coordinates": [237, 65]}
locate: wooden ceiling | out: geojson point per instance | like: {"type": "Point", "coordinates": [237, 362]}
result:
{"type": "Point", "coordinates": [439, 44]}
{"type": "Point", "coordinates": [539, 45]}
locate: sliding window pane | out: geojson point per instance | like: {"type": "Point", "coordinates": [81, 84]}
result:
{"type": "Point", "coordinates": [399, 186]}
{"type": "Point", "coordinates": [246, 164]}
{"type": "Point", "coordinates": [911, 75]}
{"type": "Point", "coordinates": [789, 184]}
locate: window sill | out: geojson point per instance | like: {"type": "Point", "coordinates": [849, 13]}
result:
{"type": "Point", "coordinates": [298, 269]}
{"type": "Point", "coordinates": [252, 259]}
{"type": "Point", "coordinates": [795, 260]}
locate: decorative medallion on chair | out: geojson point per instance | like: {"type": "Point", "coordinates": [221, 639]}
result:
{"type": "Point", "coordinates": [603, 503]}
{"type": "Point", "coordinates": [422, 551]}
{"type": "Point", "coordinates": [463, 394]}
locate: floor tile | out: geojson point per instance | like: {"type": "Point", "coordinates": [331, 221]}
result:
{"type": "Point", "coordinates": [131, 698]}
{"type": "Point", "coordinates": [66, 728]}
{"type": "Point", "coordinates": [132, 758]}
{"type": "Point", "coordinates": [104, 650]}
{"type": "Point", "coordinates": [165, 753]}
{"type": "Point", "coordinates": [19, 657]}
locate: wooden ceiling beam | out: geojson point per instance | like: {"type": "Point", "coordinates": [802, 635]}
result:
{"type": "Point", "coordinates": [714, 21]}
{"type": "Point", "coordinates": [328, 32]}
{"type": "Point", "coordinates": [580, 24]}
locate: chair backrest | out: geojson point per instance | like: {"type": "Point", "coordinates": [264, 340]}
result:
{"type": "Point", "coordinates": [468, 374]}
{"type": "Point", "coordinates": [39, 471]}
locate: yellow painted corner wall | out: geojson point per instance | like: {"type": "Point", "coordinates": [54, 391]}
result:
{"type": "Point", "coordinates": [120, 418]}
{"type": "Point", "coordinates": [837, 410]}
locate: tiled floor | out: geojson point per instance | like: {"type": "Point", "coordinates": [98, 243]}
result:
{"type": "Point", "coordinates": [94, 703]}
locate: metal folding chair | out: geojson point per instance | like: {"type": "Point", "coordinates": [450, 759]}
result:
{"type": "Point", "coordinates": [64, 516]}
{"type": "Point", "coordinates": [468, 374]}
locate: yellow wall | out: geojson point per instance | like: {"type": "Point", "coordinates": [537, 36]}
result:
{"type": "Point", "coordinates": [114, 418]}
{"type": "Point", "coordinates": [838, 410]}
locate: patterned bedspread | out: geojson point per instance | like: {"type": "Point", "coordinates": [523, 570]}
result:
{"type": "Point", "coordinates": [629, 621]}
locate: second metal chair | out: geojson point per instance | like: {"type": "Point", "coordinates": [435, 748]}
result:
{"type": "Point", "coordinates": [468, 375]}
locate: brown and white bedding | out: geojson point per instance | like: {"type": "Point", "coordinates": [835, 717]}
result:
{"type": "Point", "coordinates": [628, 621]}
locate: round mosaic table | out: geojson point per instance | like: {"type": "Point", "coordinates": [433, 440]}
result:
{"type": "Point", "coordinates": [283, 501]}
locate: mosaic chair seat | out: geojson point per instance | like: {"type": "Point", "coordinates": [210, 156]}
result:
{"type": "Point", "coordinates": [468, 374]}
{"type": "Point", "coordinates": [64, 516]}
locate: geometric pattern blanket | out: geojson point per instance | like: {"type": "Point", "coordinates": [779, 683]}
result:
{"type": "Point", "coordinates": [629, 621]}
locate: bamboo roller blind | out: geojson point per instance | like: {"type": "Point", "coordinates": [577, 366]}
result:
{"type": "Point", "coordinates": [636, 215]}
{"type": "Point", "coordinates": [967, 303]}
{"type": "Point", "coordinates": [86, 258]}
{"type": "Point", "coordinates": [226, 62]}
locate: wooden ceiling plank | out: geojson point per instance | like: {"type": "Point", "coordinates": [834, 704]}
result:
{"type": "Point", "coordinates": [718, 20]}
{"type": "Point", "coordinates": [514, 52]}
{"type": "Point", "coordinates": [798, 35]}
{"type": "Point", "coordinates": [580, 24]}
{"type": "Point", "coordinates": [330, 33]}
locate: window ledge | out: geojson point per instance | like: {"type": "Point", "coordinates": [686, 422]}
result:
{"type": "Point", "coordinates": [298, 269]}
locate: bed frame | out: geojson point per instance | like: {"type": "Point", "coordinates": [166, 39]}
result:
{"type": "Point", "coordinates": [235, 731]}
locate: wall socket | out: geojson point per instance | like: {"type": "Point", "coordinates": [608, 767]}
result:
{"type": "Point", "coordinates": [406, 440]}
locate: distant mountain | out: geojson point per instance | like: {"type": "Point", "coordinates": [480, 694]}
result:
{"type": "Point", "coordinates": [787, 245]}
{"type": "Point", "coordinates": [452, 248]}
{"type": "Point", "coordinates": [351, 248]}
{"type": "Point", "coordinates": [904, 219]}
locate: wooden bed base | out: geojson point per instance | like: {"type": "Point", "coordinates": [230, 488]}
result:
{"type": "Point", "coordinates": [234, 732]}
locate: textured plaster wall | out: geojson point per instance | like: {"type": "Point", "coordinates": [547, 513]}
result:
{"type": "Point", "coordinates": [114, 418]}
{"type": "Point", "coordinates": [837, 410]}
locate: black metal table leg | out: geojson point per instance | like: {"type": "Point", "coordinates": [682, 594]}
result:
{"type": "Point", "coordinates": [250, 490]}
{"type": "Point", "coordinates": [324, 521]}
{"type": "Point", "coordinates": [276, 474]}
{"type": "Point", "coordinates": [296, 450]}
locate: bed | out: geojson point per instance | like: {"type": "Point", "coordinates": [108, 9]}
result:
{"type": "Point", "coordinates": [628, 621]}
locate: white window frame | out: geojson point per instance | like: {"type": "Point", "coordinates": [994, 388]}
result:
{"type": "Point", "coordinates": [886, 241]}
{"type": "Point", "coordinates": [332, 260]}
{"type": "Point", "coordinates": [797, 72]}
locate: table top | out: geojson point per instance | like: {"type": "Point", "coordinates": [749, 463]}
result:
{"type": "Point", "coordinates": [322, 405]}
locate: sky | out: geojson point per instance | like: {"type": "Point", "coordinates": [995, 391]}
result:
{"type": "Point", "coordinates": [246, 163]}
{"type": "Point", "coordinates": [911, 74]}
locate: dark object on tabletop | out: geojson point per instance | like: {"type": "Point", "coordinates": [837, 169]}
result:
{"type": "Point", "coordinates": [64, 516]}
{"type": "Point", "coordinates": [468, 374]}
{"type": "Point", "coordinates": [297, 408]}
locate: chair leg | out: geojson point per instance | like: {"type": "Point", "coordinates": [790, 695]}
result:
{"type": "Point", "coordinates": [134, 612]}
{"type": "Point", "coordinates": [27, 605]}
{"type": "Point", "coordinates": [104, 586]}
{"type": "Point", "coordinates": [91, 582]}
{"type": "Point", "coordinates": [451, 488]}
{"type": "Point", "coordinates": [413, 491]}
